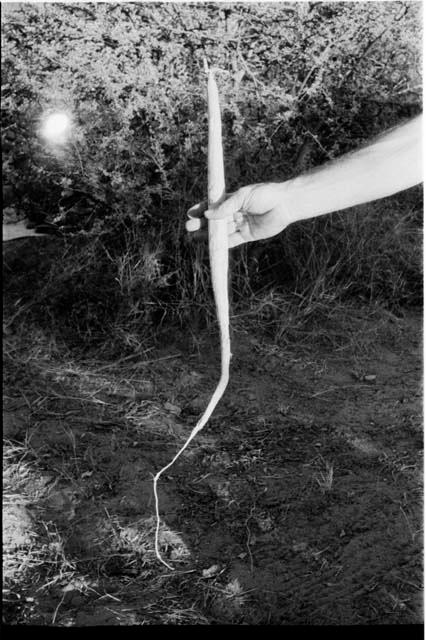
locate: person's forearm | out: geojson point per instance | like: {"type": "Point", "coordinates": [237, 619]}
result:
{"type": "Point", "coordinates": [390, 164]}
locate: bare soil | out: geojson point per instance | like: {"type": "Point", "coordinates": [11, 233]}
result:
{"type": "Point", "coordinates": [299, 503]}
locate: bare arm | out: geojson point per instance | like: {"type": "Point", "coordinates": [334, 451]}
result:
{"type": "Point", "coordinates": [392, 163]}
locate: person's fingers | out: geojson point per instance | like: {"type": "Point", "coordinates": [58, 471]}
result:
{"type": "Point", "coordinates": [193, 224]}
{"type": "Point", "coordinates": [227, 208]}
{"type": "Point", "coordinates": [242, 234]}
{"type": "Point", "coordinates": [232, 227]}
{"type": "Point", "coordinates": [197, 210]}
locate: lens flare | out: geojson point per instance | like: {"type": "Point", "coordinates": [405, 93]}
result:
{"type": "Point", "coordinates": [56, 127]}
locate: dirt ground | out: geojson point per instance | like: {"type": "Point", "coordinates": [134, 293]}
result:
{"type": "Point", "coordinates": [299, 503]}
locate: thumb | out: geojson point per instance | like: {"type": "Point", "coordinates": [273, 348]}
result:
{"type": "Point", "coordinates": [227, 208]}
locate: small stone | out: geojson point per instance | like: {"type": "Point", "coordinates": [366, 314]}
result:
{"type": "Point", "coordinates": [370, 378]}
{"type": "Point", "coordinates": [211, 571]}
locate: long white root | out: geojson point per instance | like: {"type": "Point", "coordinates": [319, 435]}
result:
{"type": "Point", "coordinates": [219, 260]}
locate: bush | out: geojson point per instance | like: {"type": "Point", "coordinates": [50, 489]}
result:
{"type": "Point", "coordinates": [301, 83]}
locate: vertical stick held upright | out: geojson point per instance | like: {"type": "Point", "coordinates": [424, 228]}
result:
{"type": "Point", "coordinates": [218, 229]}
{"type": "Point", "coordinates": [218, 252]}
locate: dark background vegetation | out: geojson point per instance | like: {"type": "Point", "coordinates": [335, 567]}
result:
{"type": "Point", "coordinates": [301, 83]}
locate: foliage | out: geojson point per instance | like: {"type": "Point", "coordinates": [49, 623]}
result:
{"type": "Point", "coordinates": [301, 83]}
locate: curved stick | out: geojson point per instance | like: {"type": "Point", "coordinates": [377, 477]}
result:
{"type": "Point", "coordinates": [219, 259]}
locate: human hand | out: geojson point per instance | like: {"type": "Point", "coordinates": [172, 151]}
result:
{"type": "Point", "coordinates": [253, 213]}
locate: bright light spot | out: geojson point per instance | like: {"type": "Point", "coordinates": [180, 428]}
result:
{"type": "Point", "coordinates": [56, 127]}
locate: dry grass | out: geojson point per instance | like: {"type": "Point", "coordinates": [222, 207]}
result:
{"type": "Point", "coordinates": [122, 291]}
{"type": "Point", "coordinates": [324, 476]}
{"type": "Point", "coordinates": [34, 555]}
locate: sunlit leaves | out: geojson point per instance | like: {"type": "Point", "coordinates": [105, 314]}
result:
{"type": "Point", "coordinates": [131, 75]}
